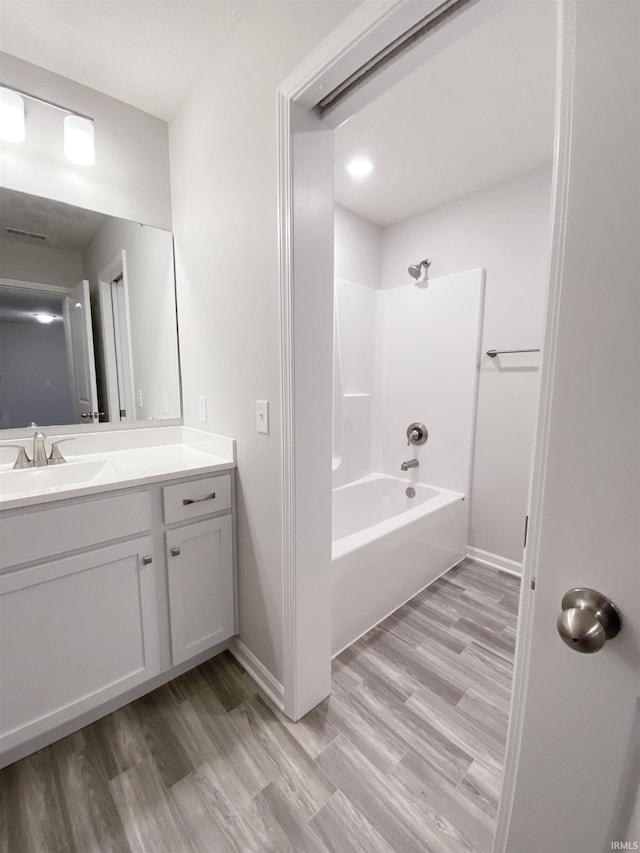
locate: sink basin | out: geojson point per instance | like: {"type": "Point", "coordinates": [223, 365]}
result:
{"type": "Point", "coordinates": [52, 477]}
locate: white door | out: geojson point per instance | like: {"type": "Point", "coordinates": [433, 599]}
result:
{"type": "Point", "coordinates": [572, 725]}
{"type": "Point", "coordinates": [85, 388]}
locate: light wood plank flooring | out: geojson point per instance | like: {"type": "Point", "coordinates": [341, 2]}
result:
{"type": "Point", "coordinates": [405, 756]}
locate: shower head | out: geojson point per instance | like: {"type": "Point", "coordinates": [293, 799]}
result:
{"type": "Point", "coordinates": [419, 270]}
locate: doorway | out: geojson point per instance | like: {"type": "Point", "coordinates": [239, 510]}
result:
{"type": "Point", "coordinates": [597, 81]}
{"type": "Point", "coordinates": [117, 373]}
{"type": "Point", "coordinates": [409, 236]}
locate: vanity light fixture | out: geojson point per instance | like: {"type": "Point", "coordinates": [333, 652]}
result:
{"type": "Point", "coordinates": [78, 140]}
{"type": "Point", "coordinates": [78, 129]}
{"type": "Point", "coordinates": [11, 116]}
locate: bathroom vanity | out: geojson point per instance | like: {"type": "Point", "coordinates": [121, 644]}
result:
{"type": "Point", "coordinates": [111, 583]}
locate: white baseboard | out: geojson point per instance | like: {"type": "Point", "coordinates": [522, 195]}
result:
{"type": "Point", "coordinates": [486, 558]}
{"type": "Point", "coordinates": [258, 671]}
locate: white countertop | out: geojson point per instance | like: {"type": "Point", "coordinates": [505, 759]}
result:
{"type": "Point", "coordinates": [106, 470]}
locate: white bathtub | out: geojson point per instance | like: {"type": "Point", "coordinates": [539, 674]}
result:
{"type": "Point", "coordinates": [387, 547]}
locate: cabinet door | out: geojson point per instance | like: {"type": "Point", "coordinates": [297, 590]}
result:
{"type": "Point", "coordinates": [200, 567]}
{"type": "Point", "coordinates": [74, 633]}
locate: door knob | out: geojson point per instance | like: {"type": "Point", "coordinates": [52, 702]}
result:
{"type": "Point", "coordinates": [588, 620]}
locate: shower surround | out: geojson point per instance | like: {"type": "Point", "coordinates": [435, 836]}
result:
{"type": "Point", "coordinates": [401, 355]}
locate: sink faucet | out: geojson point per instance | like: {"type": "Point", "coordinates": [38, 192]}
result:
{"type": "Point", "coordinates": [40, 458]}
{"type": "Point", "coordinates": [39, 449]}
{"type": "Point", "coordinates": [411, 463]}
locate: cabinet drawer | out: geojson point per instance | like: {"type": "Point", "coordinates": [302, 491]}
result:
{"type": "Point", "coordinates": [196, 498]}
{"type": "Point", "coordinates": [34, 536]}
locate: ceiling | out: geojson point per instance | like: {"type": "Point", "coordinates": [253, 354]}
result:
{"type": "Point", "coordinates": [63, 225]}
{"type": "Point", "coordinates": [19, 306]}
{"type": "Point", "coordinates": [479, 112]}
{"type": "Point", "coordinates": [146, 53]}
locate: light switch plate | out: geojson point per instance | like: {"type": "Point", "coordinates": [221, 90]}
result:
{"type": "Point", "coordinates": [262, 416]}
{"type": "Point", "coordinates": [202, 410]}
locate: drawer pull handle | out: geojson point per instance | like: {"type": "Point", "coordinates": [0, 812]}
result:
{"type": "Point", "coordinates": [147, 560]}
{"type": "Point", "coordinates": [175, 552]}
{"type": "Point", "coordinates": [187, 501]}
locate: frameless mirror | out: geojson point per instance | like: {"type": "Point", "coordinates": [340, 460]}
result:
{"type": "Point", "coordinates": [88, 330]}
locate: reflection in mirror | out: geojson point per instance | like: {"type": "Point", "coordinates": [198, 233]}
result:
{"type": "Point", "coordinates": [88, 329]}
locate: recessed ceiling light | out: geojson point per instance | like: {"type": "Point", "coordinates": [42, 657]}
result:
{"type": "Point", "coordinates": [360, 167]}
{"type": "Point", "coordinates": [45, 318]}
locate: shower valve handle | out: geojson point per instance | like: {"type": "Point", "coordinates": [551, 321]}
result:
{"type": "Point", "coordinates": [417, 433]}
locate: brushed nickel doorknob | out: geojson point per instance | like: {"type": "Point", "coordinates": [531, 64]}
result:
{"type": "Point", "coordinates": [588, 620]}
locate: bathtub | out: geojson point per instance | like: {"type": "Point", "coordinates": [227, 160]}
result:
{"type": "Point", "coordinates": [387, 547]}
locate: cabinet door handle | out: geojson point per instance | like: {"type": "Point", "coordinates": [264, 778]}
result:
{"type": "Point", "coordinates": [187, 501]}
{"type": "Point", "coordinates": [147, 560]}
{"type": "Point", "coordinates": [175, 552]}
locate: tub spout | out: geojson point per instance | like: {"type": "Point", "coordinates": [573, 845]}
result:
{"type": "Point", "coordinates": [411, 463]}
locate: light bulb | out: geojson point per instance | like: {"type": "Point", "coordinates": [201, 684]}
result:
{"type": "Point", "coordinates": [11, 116]}
{"type": "Point", "coordinates": [78, 140]}
{"type": "Point", "coordinates": [359, 167]}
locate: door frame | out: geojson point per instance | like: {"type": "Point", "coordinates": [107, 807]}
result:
{"type": "Point", "coordinates": [306, 589]}
{"type": "Point", "coordinates": [114, 269]}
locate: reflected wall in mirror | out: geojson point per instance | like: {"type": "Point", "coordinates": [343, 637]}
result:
{"type": "Point", "coordinates": [88, 329]}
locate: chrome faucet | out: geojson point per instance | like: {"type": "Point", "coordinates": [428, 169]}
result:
{"type": "Point", "coordinates": [39, 449]}
{"type": "Point", "coordinates": [40, 458]}
{"type": "Point", "coordinates": [411, 463]}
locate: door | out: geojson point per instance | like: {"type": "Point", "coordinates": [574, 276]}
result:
{"type": "Point", "coordinates": [78, 311]}
{"type": "Point", "coordinates": [567, 775]}
{"type": "Point", "coordinates": [119, 316]}
{"type": "Point", "coordinates": [200, 569]}
{"type": "Point", "coordinates": [116, 340]}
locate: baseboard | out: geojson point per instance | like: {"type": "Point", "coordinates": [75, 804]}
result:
{"type": "Point", "coordinates": [486, 558]}
{"type": "Point", "coordinates": [258, 671]}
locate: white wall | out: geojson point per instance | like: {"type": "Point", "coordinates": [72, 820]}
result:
{"type": "Point", "coordinates": [40, 264]}
{"type": "Point", "coordinates": [357, 269]}
{"type": "Point", "coordinates": [357, 249]}
{"type": "Point", "coordinates": [130, 177]}
{"type": "Point", "coordinates": [152, 308]}
{"type": "Point", "coordinates": [427, 351]}
{"type": "Point", "coordinates": [223, 178]}
{"type": "Point", "coordinates": [506, 230]}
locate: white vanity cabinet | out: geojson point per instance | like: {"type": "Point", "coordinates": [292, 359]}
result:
{"type": "Point", "coordinates": [103, 598]}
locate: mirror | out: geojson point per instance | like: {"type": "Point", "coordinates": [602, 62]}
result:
{"type": "Point", "coordinates": [88, 330]}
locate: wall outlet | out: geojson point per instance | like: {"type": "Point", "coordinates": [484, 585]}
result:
{"type": "Point", "coordinates": [165, 403]}
{"type": "Point", "coordinates": [262, 416]}
{"type": "Point", "coordinates": [202, 410]}
{"type": "Point", "coordinates": [139, 398]}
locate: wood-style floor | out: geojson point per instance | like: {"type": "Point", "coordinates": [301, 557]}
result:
{"type": "Point", "coordinates": [405, 756]}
